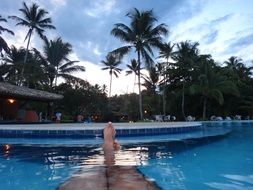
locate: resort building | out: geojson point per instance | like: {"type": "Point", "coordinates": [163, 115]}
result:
{"type": "Point", "coordinates": [14, 100]}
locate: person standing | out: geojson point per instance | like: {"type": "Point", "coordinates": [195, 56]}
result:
{"type": "Point", "coordinates": [58, 117]}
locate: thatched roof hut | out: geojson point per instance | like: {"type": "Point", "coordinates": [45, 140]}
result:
{"type": "Point", "coordinates": [23, 93]}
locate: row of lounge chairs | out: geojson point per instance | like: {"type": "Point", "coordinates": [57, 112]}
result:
{"type": "Point", "coordinates": [167, 118]}
{"type": "Point", "coordinates": [236, 117]}
{"type": "Point", "coordinates": [164, 118]}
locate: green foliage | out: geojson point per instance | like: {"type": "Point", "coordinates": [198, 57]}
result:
{"type": "Point", "coordinates": [56, 62]}
{"type": "Point", "coordinates": [125, 105]}
{"type": "Point", "coordinates": [82, 98]}
{"type": "Point", "coordinates": [3, 43]}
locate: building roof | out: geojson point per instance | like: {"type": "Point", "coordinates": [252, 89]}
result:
{"type": "Point", "coordinates": [20, 92]}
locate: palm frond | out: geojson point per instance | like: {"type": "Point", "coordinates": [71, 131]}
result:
{"type": "Point", "coordinates": [217, 95]}
{"type": "Point", "coordinates": [120, 52]}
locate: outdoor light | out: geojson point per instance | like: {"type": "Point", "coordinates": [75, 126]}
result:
{"type": "Point", "coordinates": [11, 101]}
{"type": "Point", "coordinates": [7, 147]}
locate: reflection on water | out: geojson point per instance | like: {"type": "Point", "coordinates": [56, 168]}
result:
{"type": "Point", "coordinates": [58, 156]}
{"type": "Point", "coordinates": [47, 167]}
{"type": "Point", "coordinates": [50, 166]}
{"type": "Point", "coordinates": [123, 157]}
{"type": "Point", "coordinates": [239, 182]}
{"type": "Point", "coordinates": [241, 178]}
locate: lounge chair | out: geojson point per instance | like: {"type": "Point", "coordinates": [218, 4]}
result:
{"type": "Point", "coordinates": [158, 118]}
{"type": "Point", "coordinates": [166, 118]}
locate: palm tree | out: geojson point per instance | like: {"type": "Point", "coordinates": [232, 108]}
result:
{"type": "Point", "coordinates": [152, 98]}
{"type": "Point", "coordinates": [3, 44]}
{"type": "Point", "coordinates": [141, 35]}
{"type": "Point", "coordinates": [234, 62]}
{"type": "Point", "coordinates": [34, 20]}
{"type": "Point", "coordinates": [56, 62]}
{"type": "Point", "coordinates": [13, 60]}
{"type": "Point", "coordinates": [238, 69]}
{"type": "Point", "coordinates": [133, 68]}
{"type": "Point", "coordinates": [151, 81]}
{"type": "Point", "coordinates": [13, 64]}
{"type": "Point", "coordinates": [247, 105]}
{"type": "Point", "coordinates": [185, 56]}
{"type": "Point", "coordinates": [166, 52]}
{"type": "Point", "coordinates": [212, 85]}
{"type": "Point", "coordinates": [112, 62]}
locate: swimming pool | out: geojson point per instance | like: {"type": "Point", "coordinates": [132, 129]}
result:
{"type": "Point", "coordinates": [221, 161]}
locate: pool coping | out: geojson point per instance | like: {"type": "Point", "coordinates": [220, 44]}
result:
{"type": "Point", "coordinates": [81, 130]}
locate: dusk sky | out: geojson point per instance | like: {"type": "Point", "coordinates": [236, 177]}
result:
{"type": "Point", "coordinates": [223, 28]}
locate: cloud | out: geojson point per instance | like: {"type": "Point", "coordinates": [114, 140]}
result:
{"type": "Point", "coordinates": [121, 85]}
{"type": "Point", "coordinates": [211, 37]}
{"type": "Point", "coordinates": [100, 7]}
{"type": "Point", "coordinates": [220, 20]}
{"type": "Point", "coordinates": [205, 31]}
{"type": "Point", "coordinates": [58, 2]}
{"type": "Point", "coordinates": [243, 41]}
{"type": "Point", "coordinates": [239, 44]}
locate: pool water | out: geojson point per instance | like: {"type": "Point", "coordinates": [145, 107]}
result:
{"type": "Point", "coordinates": [217, 162]}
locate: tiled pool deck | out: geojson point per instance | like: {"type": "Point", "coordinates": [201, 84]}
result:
{"type": "Point", "coordinates": [80, 130]}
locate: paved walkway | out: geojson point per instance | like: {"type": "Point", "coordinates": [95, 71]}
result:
{"type": "Point", "coordinates": [96, 126]}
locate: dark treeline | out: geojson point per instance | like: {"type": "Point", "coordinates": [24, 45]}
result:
{"type": "Point", "coordinates": [180, 80]}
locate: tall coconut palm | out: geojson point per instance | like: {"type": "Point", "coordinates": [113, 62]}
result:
{"type": "Point", "coordinates": [152, 98]}
{"type": "Point", "coordinates": [151, 81]}
{"type": "Point", "coordinates": [166, 52]}
{"type": "Point", "coordinates": [141, 36]}
{"type": "Point", "coordinates": [212, 85]}
{"type": "Point", "coordinates": [35, 20]}
{"type": "Point", "coordinates": [238, 69]}
{"type": "Point", "coordinates": [34, 75]}
{"type": "Point", "coordinates": [3, 43]}
{"type": "Point", "coordinates": [14, 64]}
{"type": "Point", "coordinates": [185, 56]}
{"type": "Point", "coordinates": [57, 64]}
{"type": "Point", "coordinates": [247, 105]}
{"type": "Point", "coordinates": [133, 68]}
{"type": "Point", "coordinates": [112, 62]}
{"type": "Point", "coordinates": [234, 62]}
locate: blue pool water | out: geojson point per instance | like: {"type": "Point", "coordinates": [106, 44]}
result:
{"type": "Point", "coordinates": [213, 162]}
{"type": "Point", "coordinates": [217, 163]}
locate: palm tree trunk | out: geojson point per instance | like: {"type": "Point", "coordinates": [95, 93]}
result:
{"type": "Point", "coordinates": [27, 46]}
{"type": "Point", "coordinates": [183, 113]}
{"type": "Point", "coordinates": [51, 84]}
{"type": "Point", "coordinates": [164, 91]}
{"type": "Point", "coordinates": [164, 99]}
{"type": "Point", "coordinates": [56, 74]}
{"type": "Point", "coordinates": [55, 84]}
{"type": "Point", "coordinates": [204, 108]}
{"type": "Point", "coordinates": [110, 85]}
{"type": "Point", "coordinates": [139, 84]}
{"type": "Point", "coordinates": [26, 54]}
{"type": "Point", "coordinates": [134, 82]}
